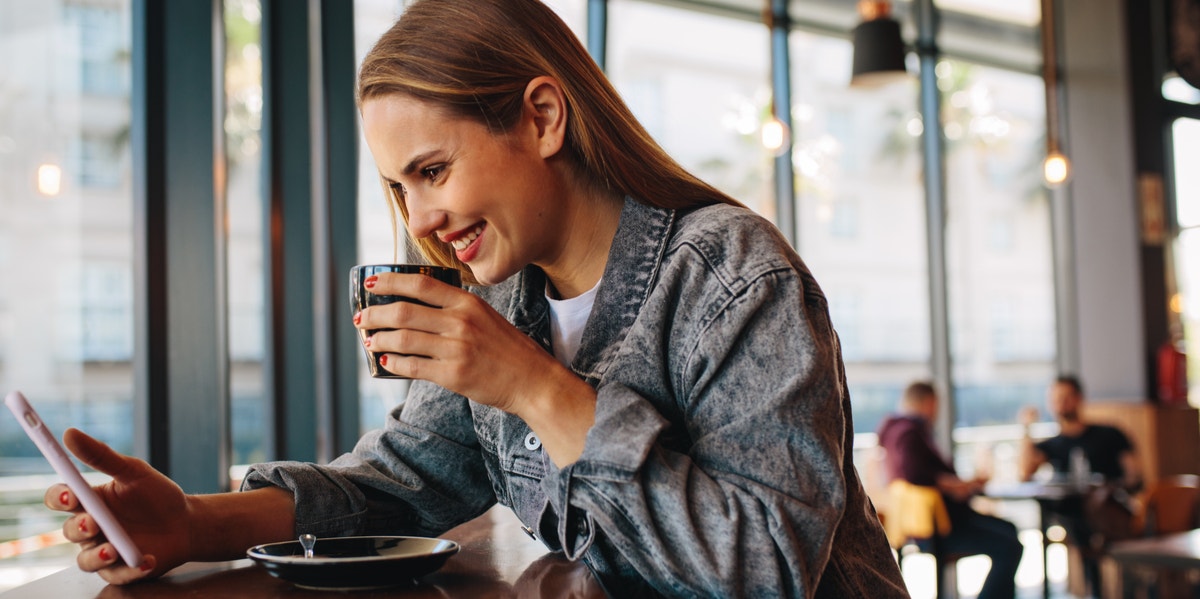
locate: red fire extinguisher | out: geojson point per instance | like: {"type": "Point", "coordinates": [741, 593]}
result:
{"type": "Point", "coordinates": [1172, 374]}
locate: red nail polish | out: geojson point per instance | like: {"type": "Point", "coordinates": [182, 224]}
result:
{"type": "Point", "coordinates": [146, 567]}
{"type": "Point", "coordinates": [367, 342]}
{"type": "Point", "coordinates": [370, 281]}
{"type": "Point", "coordinates": [83, 525]}
{"type": "Point", "coordinates": [357, 317]}
{"type": "Point", "coordinates": [383, 360]}
{"type": "Point", "coordinates": [104, 553]}
{"type": "Point", "coordinates": [64, 497]}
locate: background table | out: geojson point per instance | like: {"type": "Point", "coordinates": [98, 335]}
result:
{"type": "Point", "coordinates": [496, 559]}
{"type": "Point", "coordinates": [1179, 551]}
{"type": "Point", "coordinates": [1050, 497]}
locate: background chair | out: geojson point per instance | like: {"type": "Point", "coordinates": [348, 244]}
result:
{"type": "Point", "coordinates": [1169, 505]}
{"type": "Point", "coordinates": [916, 519]}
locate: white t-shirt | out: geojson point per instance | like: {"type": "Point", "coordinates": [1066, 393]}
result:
{"type": "Point", "coordinates": [567, 319]}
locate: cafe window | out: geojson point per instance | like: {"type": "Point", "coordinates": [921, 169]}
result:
{"type": "Point", "coordinates": [245, 289]}
{"type": "Point", "coordinates": [66, 326]}
{"type": "Point", "coordinates": [1186, 302]}
{"type": "Point", "coordinates": [860, 207]}
{"type": "Point", "coordinates": [704, 102]}
{"type": "Point", "coordinates": [1001, 302]}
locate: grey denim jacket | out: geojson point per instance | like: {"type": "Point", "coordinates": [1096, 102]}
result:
{"type": "Point", "coordinates": [719, 464]}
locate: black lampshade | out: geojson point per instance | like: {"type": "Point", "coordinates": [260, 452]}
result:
{"type": "Point", "coordinates": [878, 52]}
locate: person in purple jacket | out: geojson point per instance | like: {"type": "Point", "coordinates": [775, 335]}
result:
{"type": "Point", "coordinates": [913, 457]}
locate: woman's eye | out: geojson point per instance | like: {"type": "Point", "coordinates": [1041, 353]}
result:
{"type": "Point", "coordinates": [433, 172]}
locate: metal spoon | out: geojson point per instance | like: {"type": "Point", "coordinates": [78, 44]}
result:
{"type": "Point", "coordinates": [307, 541]}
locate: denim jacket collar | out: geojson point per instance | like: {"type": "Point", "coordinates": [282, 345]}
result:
{"type": "Point", "coordinates": [633, 264]}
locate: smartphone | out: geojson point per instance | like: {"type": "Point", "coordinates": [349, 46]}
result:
{"type": "Point", "coordinates": [37, 430]}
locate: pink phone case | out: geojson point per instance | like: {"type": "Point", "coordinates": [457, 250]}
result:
{"type": "Point", "coordinates": [36, 429]}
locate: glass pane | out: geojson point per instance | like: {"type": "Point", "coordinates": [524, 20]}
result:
{"type": "Point", "coordinates": [249, 422]}
{"type": "Point", "coordinates": [66, 300]}
{"type": "Point", "coordinates": [375, 240]}
{"type": "Point", "coordinates": [998, 242]}
{"type": "Point", "coordinates": [1186, 133]}
{"type": "Point", "coordinates": [1021, 12]}
{"type": "Point", "coordinates": [704, 102]}
{"type": "Point", "coordinates": [1176, 89]}
{"type": "Point", "coordinates": [862, 220]}
{"type": "Point", "coordinates": [1187, 177]}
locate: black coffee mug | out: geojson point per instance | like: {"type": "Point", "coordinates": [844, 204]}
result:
{"type": "Point", "coordinates": [361, 297]}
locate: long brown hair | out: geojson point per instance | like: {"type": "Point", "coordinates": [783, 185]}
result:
{"type": "Point", "coordinates": [474, 58]}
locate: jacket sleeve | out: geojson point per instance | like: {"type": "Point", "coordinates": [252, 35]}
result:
{"type": "Point", "coordinates": [396, 480]}
{"type": "Point", "coordinates": [751, 508]}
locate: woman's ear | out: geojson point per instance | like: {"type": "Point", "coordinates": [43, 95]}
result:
{"type": "Point", "coordinates": [547, 105]}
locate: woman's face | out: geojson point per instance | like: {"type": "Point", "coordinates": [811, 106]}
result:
{"type": "Point", "coordinates": [494, 199]}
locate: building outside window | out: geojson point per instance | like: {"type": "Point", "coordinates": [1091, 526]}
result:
{"type": "Point", "coordinates": [66, 336]}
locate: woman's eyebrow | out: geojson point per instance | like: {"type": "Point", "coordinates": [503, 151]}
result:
{"type": "Point", "coordinates": [418, 159]}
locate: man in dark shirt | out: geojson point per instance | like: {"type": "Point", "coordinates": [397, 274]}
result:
{"type": "Point", "coordinates": [912, 456]}
{"type": "Point", "coordinates": [1105, 450]}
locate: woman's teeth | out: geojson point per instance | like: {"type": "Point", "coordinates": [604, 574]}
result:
{"type": "Point", "coordinates": [462, 242]}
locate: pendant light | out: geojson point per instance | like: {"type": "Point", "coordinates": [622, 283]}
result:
{"type": "Point", "coordinates": [878, 47]}
{"type": "Point", "coordinates": [1056, 168]}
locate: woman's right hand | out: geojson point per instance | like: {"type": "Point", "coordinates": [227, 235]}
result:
{"type": "Point", "coordinates": [151, 507]}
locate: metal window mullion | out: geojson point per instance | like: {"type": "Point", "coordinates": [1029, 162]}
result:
{"type": "Point", "coordinates": [340, 117]}
{"type": "Point", "coordinates": [289, 362]}
{"type": "Point", "coordinates": [935, 216]}
{"type": "Point", "coordinates": [180, 358]}
{"type": "Point", "coordinates": [781, 107]}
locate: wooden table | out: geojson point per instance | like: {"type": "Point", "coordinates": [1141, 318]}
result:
{"type": "Point", "coordinates": [496, 559]}
{"type": "Point", "coordinates": [1139, 562]}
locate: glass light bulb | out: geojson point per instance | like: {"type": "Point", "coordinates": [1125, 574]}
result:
{"type": "Point", "coordinates": [775, 136]}
{"type": "Point", "coordinates": [49, 179]}
{"type": "Point", "coordinates": [1056, 169]}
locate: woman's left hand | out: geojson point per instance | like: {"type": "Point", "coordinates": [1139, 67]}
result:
{"type": "Point", "coordinates": [467, 347]}
{"type": "Point", "coordinates": [463, 344]}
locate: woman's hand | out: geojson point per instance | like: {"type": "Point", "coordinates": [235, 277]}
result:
{"type": "Point", "coordinates": [464, 345]}
{"type": "Point", "coordinates": [151, 508]}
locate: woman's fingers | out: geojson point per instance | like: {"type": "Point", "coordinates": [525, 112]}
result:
{"type": "Point", "coordinates": [80, 528]}
{"type": "Point", "coordinates": [96, 454]}
{"type": "Point", "coordinates": [60, 498]}
{"type": "Point", "coordinates": [420, 287]}
{"type": "Point", "coordinates": [103, 559]}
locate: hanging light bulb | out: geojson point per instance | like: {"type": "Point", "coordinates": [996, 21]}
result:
{"type": "Point", "coordinates": [775, 136]}
{"type": "Point", "coordinates": [49, 179]}
{"type": "Point", "coordinates": [1056, 168]}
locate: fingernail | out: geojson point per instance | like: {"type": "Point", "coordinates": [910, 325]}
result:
{"type": "Point", "coordinates": [370, 281]}
{"type": "Point", "coordinates": [83, 525]}
{"type": "Point", "coordinates": [383, 360]}
{"type": "Point", "coordinates": [146, 567]}
{"type": "Point", "coordinates": [357, 317]}
{"type": "Point", "coordinates": [367, 342]}
{"type": "Point", "coordinates": [64, 497]}
{"type": "Point", "coordinates": [104, 553]}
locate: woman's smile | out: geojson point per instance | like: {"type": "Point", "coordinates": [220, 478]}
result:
{"type": "Point", "coordinates": [464, 242]}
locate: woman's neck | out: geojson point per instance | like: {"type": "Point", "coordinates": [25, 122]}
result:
{"type": "Point", "coordinates": [588, 235]}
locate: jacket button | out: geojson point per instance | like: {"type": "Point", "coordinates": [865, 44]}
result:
{"type": "Point", "coordinates": [532, 443]}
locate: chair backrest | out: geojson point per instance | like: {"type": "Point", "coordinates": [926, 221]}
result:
{"type": "Point", "coordinates": [914, 512]}
{"type": "Point", "coordinates": [1171, 504]}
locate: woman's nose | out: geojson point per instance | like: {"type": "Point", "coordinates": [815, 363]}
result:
{"type": "Point", "coordinates": [424, 219]}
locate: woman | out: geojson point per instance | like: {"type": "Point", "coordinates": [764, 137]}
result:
{"type": "Point", "coordinates": [644, 372]}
